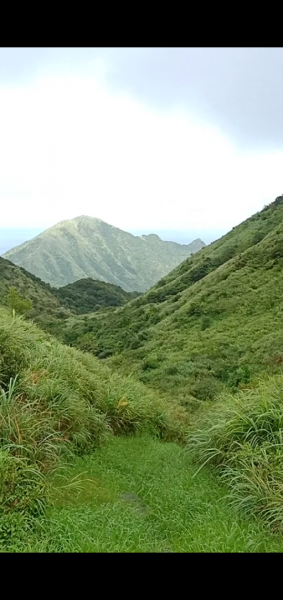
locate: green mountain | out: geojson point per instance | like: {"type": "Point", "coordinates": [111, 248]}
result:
{"type": "Point", "coordinates": [214, 321]}
{"type": "Point", "coordinates": [88, 295]}
{"type": "Point", "coordinates": [209, 337]}
{"type": "Point", "coordinates": [87, 247]}
{"type": "Point", "coordinates": [50, 305]}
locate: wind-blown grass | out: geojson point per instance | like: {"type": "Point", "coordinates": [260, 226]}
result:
{"type": "Point", "coordinates": [57, 401]}
{"type": "Point", "coordinates": [243, 437]}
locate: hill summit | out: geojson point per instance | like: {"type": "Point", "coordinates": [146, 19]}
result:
{"type": "Point", "coordinates": [214, 321]}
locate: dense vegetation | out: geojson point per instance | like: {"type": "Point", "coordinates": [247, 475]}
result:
{"type": "Point", "coordinates": [242, 436]}
{"type": "Point", "coordinates": [59, 405]}
{"type": "Point", "coordinates": [210, 335]}
{"type": "Point", "coordinates": [49, 307]}
{"type": "Point", "coordinates": [57, 402]}
{"type": "Point", "coordinates": [214, 321]}
{"type": "Point", "coordinates": [46, 309]}
{"type": "Point", "coordinates": [206, 344]}
{"type": "Point", "coordinates": [87, 295]}
{"type": "Point", "coordinates": [137, 494]}
{"type": "Point", "coordinates": [87, 247]}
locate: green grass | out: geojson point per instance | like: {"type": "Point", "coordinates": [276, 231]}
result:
{"type": "Point", "coordinates": [55, 402]}
{"type": "Point", "coordinates": [213, 322]}
{"type": "Point", "coordinates": [243, 436]}
{"type": "Point", "coordinates": [46, 308]}
{"type": "Point", "coordinates": [208, 343]}
{"type": "Point", "coordinates": [138, 495]}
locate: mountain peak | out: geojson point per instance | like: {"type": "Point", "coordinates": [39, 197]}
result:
{"type": "Point", "coordinates": [88, 218]}
{"type": "Point", "coordinates": [89, 247]}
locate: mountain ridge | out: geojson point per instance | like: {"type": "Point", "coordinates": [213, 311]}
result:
{"type": "Point", "coordinates": [50, 306]}
{"type": "Point", "coordinates": [89, 247]}
{"type": "Point", "coordinates": [214, 320]}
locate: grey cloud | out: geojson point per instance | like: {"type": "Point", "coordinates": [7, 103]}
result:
{"type": "Point", "coordinates": [238, 89]}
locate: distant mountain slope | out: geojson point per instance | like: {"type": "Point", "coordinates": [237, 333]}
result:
{"type": "Point", "coordinates": [215, 320]}
{"type": "Point", "coordinates": [50, 305]}
{"type": "Point", "coordinates": [88, 247]}
{"type": "Point", "coordinates": [87, 295]}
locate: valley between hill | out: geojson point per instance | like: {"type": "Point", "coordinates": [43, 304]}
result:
{"type": "Point", "coordinates": [153, 426]}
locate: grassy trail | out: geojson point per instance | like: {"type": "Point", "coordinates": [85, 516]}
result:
{"type": "Point", "coordinates": [139, 495]}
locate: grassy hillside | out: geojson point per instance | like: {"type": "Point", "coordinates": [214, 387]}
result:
{"type": "Point", "coordinates": [46, 308]}
{"type": "Point", "coordinates": [210, 335]}
{"type": "Point", "coordinates": [58, 405]}
{"type": "Point", "coordinates": [208, 343]}
{"type": "Point", "coordinates": [51, 306]}
{"type": "Point", "coordinates": [87, 295]}
{"type": "Point", "coordinates": [215, 321]}
{"type": "Point", "coordinates": [87, 247]}
{"type": "Point", "coordinates": [57, 402]}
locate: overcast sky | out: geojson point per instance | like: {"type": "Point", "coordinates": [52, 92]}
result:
{"type": "Point", "coordinates": [184, 140]}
